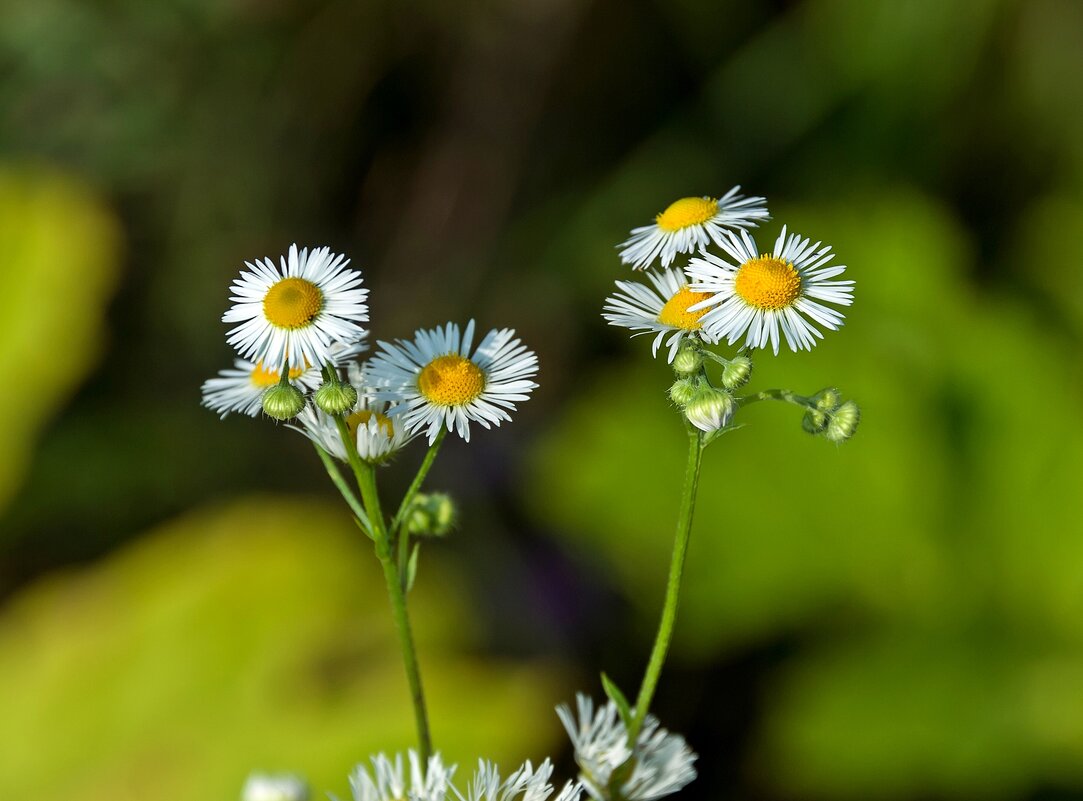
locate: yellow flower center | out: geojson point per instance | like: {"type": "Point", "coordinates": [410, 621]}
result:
{"type": "Point", "coordinates": [675, 313]}
{"type": "Point", "coordinates": [451, 380]}
{"type": "Point", "coordinates": [687, 211]}
{"type": "Point", "coordinates": [262, 377]}
{"type": "Point", "coordinates": [767, 283]}
{"type": "Point", "coordinates": [362, 417]}
{"type": "Point", "coordinates": [292, 303]}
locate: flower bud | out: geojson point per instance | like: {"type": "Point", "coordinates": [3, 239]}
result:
{"type": "Point", "coordinates": [682, 391]}
{"type": "Point", "coordinates": [736, 372]}
{"type": "Point", "coordinates": [431, 514]}
{"type": "Point", "coordinates": [283, 401]}
{"type": "Point", "coordinates": [688, 361]}
{"type": "Point", "coordinates": [814, 421]}
{"type": "Point", "coordinates": [843, 422]}
{"type": "Point", "coordinates": [261, 787]}
{"type": "Point", "coordinates": [827, 400]}
{"type": "Point", "coordinates": [710, 409]}
{"type": "Point", "coordinates": [335, 397]}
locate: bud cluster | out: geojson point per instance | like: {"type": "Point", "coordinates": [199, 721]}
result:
{"type": "Point", "coordinates": [431, 514]}
{"type": "Point", "coordinates": [831, 417]}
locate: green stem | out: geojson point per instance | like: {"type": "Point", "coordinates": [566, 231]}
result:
{"type": "Point", "coordinates": [419, 479]}
{"type": "Point", "coordinates": [366, 482]}
{"type": "Point", "coordinates": [673, 586]}
{"type": "Point", "coordinates": [784, 395]}
{"type": "Point", "coordinates": [344, 490]}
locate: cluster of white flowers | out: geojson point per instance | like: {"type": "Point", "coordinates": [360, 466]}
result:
{"type": "Point", "coordinates": [388, 781]}
{"type": "Point", "coordinates": [299, 324]}
{"type": "Point", "coordinates": [738, 293]}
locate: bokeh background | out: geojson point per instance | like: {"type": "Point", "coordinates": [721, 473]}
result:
{"type": "Point", "coordinates": [183, 599]}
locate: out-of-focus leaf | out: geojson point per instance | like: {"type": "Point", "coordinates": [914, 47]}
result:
{"type": "Point", "coordinates": [61, 248]}
{"type": "Point", "coordinates": [254, 636]}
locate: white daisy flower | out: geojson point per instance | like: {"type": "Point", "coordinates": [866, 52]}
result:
{"type": "Point", "coordinates": [387, 782]}
{"type": "Point", "coordinates": [241, 388]}
{"type": "Point", "coordinates": [688, 225]}
{"type": "Point", "coordinates": [661, 762]}
{"type": "Point", "coordinates": [524, 784]}
{"type": "Point", "coordinates": [440, 383]}
{"type": "Point", "coordinates": [264, 787]}
{"type": "Point", "coordinates": [660, 311]}
{"type": "Point", "coordinates": [296, 311]}
{"type": "Point", "coordinates": [378, 434]}
{"type": "Point", "coordinates": [756, 295]}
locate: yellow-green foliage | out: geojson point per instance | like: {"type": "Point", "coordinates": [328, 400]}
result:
{"type": "Point", "coordinates": [59, 265]}
{"type": "Point", "coordinates": [255, 635]}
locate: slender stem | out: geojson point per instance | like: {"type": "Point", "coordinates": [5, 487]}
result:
{"type": "Point", "coordinates": [367, 484]}
{"type": "Point", "coordinates": [419, 479]}
{"type": "Point", "coordinates": [344, 490]}
{"type": "Point", "coordinates": [783, 395]}
{"type": "Point", "coordinates": [673, 586]}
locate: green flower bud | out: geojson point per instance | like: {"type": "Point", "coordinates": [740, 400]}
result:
{"type": "Point", "coordinates": [814, 422]}
{"type": "Point", "coordinates": [827, 400]}
{"type": "Point", "coordinates": [843, 422]}
{"type": "Point", "coordinates": [710, 409]}
{"type": "Point", "coordinates": [431, 514]}
{"type": "Point", "coordinates": [737, 372]}
{"type": "Point", "coordinates": [688, 361]}
{"type": "Point", "coordinates": [682, 391]}
{"type": "Point", "coordinates": [335, 397]}
{"type": "Point", "coordinates": [283, 401]}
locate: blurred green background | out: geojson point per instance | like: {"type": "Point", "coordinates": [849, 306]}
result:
{"type": "Point", "coordinates": [183, 599]}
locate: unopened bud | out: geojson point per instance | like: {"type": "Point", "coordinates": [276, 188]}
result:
{"type": "Point", "coordinates": [431, 514]}
{"type": "Point", "coordinates": [814, 421]}
{"type": "Point", "coordinates": [682, 391]}
{"type": "Point", "coordinates": [261, 787]}
{"type": "Point", "coordinates": [843, 422]}
{"type": "Point", "coordinates": [283, 401]}
{"type": "Point", "coordinates": [736, 372]}
{"type": "Point", "coordinates": [688, 361]}
{"type": "Point", "coordinates": [710, 409]}
{"type": "Point", "coordinates": [335, 397]}
{"type": "Point", "coordinates": [827, 400]}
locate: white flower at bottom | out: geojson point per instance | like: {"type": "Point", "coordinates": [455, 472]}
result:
{"type": "Point", "coordinates": [660, 311]}
{"type": "Point", "coordinates": [760, 293]}
{"type": "Point", "coordinates": [524, 784]}
{"type": "Point", "coordinates": [441, 382]}
{"type": "Point", "coordinates": [661, 762]}
{"type": "Point", "coordinates": [377, 429]}
{"type": "Point", "coordinates": [387, 782]}
{"type": "Point", "coordinates": [264, 787]}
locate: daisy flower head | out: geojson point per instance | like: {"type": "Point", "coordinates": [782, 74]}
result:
{"type": "Point", "coordinates": [377, 434]}
{"type": "Point", "coordinates": [388, 781]}
{"type": "Point", "coordinates": [690, 224]}
{"type": "Point", "coordinates": [441, 381]}
{"type": "Point", "coordinates": [662, 763]}
{"type": "Point", "coordinates": [524, 784]}
{"type": "Point", "coordinates": [755, 295]}
{"type": "Point", "coordinates": [660, 311]}
{"type": "Point", "coordinates": [294, 312]}
{"type": "Point", "coordinates": [240, 389]}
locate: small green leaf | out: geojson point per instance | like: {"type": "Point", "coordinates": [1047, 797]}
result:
{"type": "Point", "coordinates": [617, 697]}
